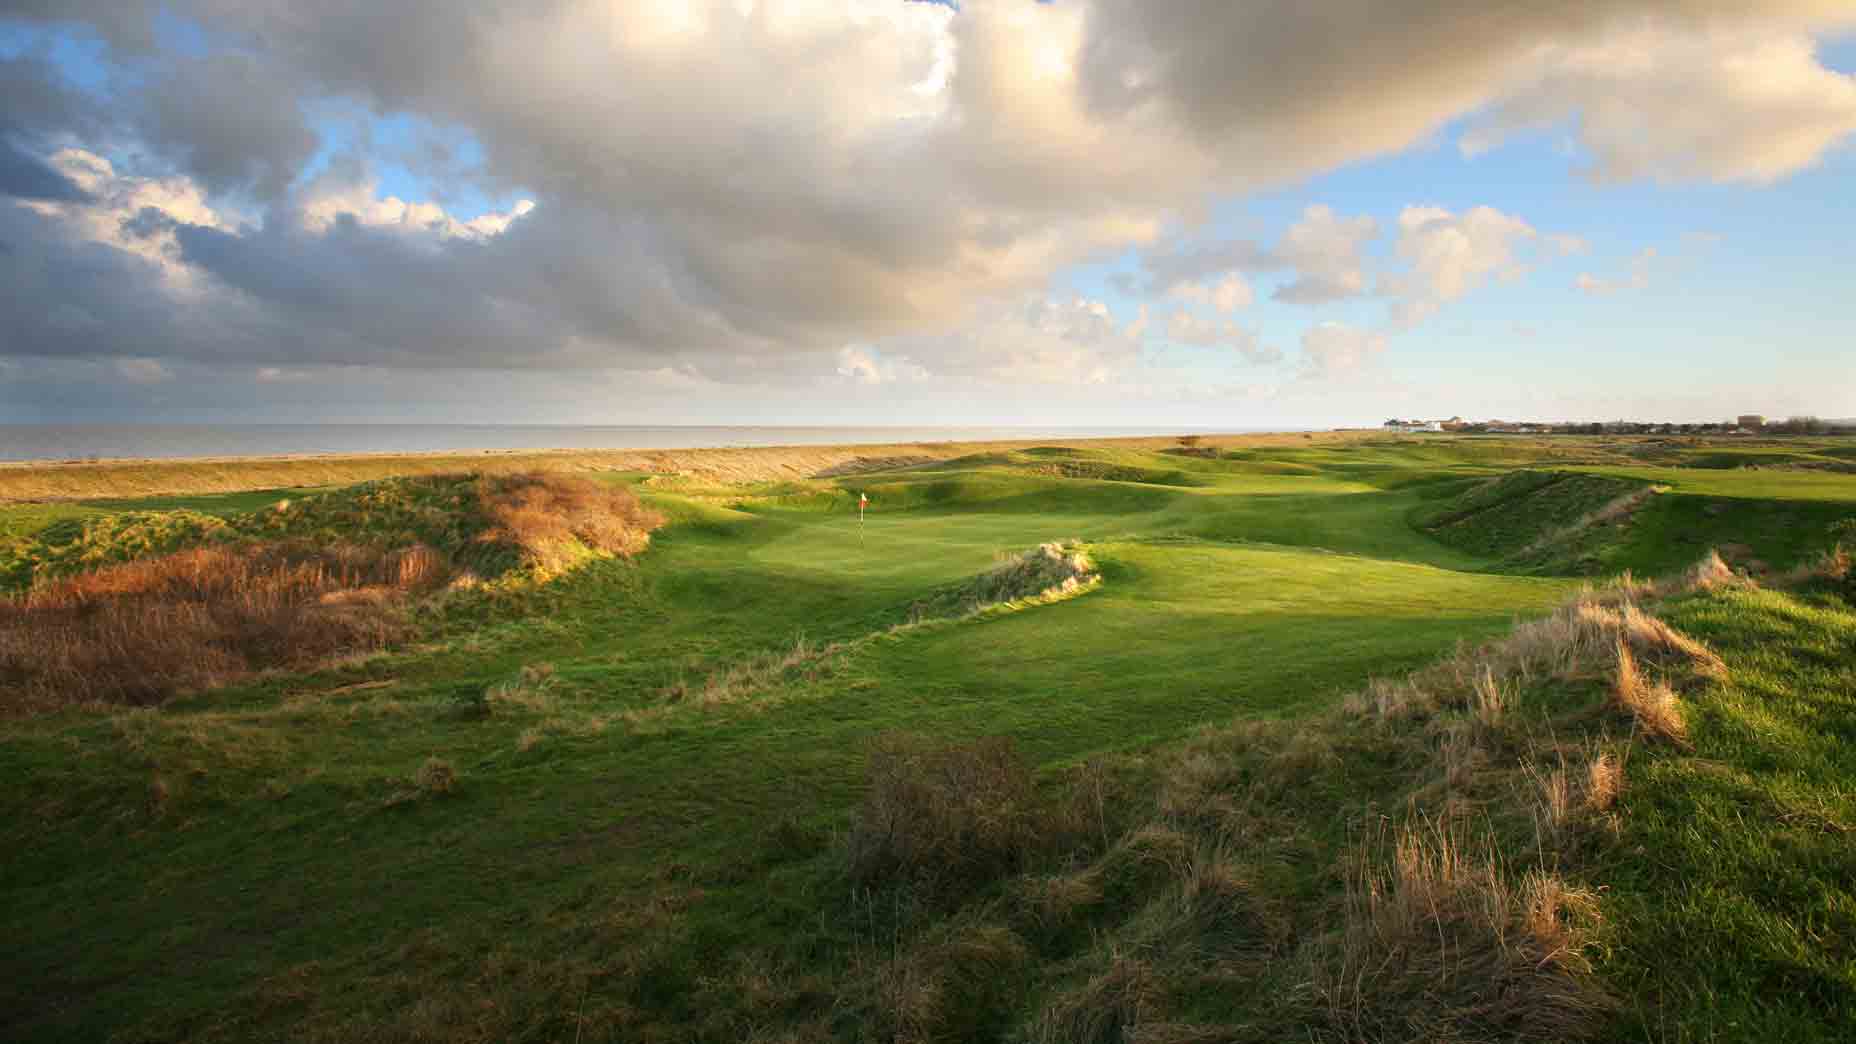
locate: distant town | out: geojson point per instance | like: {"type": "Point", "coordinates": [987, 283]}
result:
{"type": "Point", "coordinates": [1745, 424]}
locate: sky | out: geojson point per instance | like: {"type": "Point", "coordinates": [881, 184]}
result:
{"type": "Point", "coordinates": [1202, 213]}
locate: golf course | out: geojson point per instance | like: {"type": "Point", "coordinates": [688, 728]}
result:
{"type": "Point", "coordinates": [1209, 739]}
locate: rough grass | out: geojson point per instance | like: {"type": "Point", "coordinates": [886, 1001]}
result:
{"type": "Point", "coordinates": [107, 622]}
{"type": "Point", "coordinates": [140, 632]}
{"type": "Point", "coordinates": [1530, 516]}
{"type": "Point", "coordinates": [1047, 572]}
{"type": "Point", "coordinates": [1463, 808]}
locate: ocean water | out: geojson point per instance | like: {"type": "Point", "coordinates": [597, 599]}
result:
{"type": "Point", "coordinates": [67, 442]}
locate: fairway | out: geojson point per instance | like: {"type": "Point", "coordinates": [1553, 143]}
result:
{"type": "Point", "coordinates": [171, 867]}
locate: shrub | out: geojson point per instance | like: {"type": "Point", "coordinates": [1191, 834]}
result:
{"type": "Point", "coordinates": [945, 818]}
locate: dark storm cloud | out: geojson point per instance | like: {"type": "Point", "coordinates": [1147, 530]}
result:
{"type": "Point", "coordinates": [231, 123]}
{"type": "Point", "coordinates": [26, 176]}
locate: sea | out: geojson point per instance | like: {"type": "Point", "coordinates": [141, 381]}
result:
{"type": "Point", "coordinates": [77, 442]}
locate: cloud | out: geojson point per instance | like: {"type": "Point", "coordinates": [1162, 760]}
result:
{"type": "Point", "coordinates": [1637, 279]}
{"type": "Point", "coordinates": [1183, 327]}
{"type": "Point", "coordinates": [143, 371]}
{"type": "Point", "coordinates": [1228, 295]}
{"type": "Point", "coordinates": [1326, 252]}
{"type": "Point", "coordinates": [230, 122]}
{"type": "Point", "coordinates": [917, 166]}
{"type": "Point", "coordinates": [1726, 105]}
{"type": "Point", "coordinates": [1451, 254]}
{"type": "Point", "coordinates": [25, 176]}
{"type": "Point", "coordinates": [1031, 339]}
{"type": "Point", "coordinates": [1337, 350]}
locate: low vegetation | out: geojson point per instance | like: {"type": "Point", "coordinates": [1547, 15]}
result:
{"type": "Point", "coordinates": [1045, 573]}
{"type": "Point", "coordinates": [114, 612]}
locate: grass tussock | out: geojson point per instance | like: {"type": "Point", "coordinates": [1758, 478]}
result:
{"type": "Point", "coordinates": [946, 819]}
{"type": "Point", "coordinates": [1444, 944]}
{"type": "Point", "coordinates": [1048, 572]}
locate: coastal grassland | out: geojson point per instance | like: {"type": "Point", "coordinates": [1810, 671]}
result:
{"type": "Point", "coordinates": [634, 802]}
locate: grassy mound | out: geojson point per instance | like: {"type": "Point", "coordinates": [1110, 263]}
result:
{"type": "Point", "coordinates": [1046, 572]}
{"type": "Point", "coordinates": [1526, 516]}
{"type": "Point", "coordinates": [134, 608]}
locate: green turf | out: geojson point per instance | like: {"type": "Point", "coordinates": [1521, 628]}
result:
{"type": "Point", "coordinates": [173, 873]}
{"type": "Point", "coordinates": [1742, 924]}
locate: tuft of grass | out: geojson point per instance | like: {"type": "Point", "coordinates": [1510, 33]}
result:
{"type": "Point", "coordinates": [1049, 571]}
{"type": "Point", "coordinates": [436, 777]}
{"type": "Point", "coordinates": [1651, 704]}
{"type": "Point", "coordinates": [945, 819]}
{"type": "Point", "coordinates": [1441, 943]}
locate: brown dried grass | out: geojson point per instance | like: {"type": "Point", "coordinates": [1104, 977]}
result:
{"type": "Point", "coordinates": [1441, 944]}
{"type": "Point", "coordinates": [142, 632]}
{"type": "Point", "coordinates": [1652, 704]}
{"type": "Point", "coordinates": [555, 517]}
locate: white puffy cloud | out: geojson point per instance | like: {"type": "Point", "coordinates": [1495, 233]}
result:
{"type": "Point", "coordinates": [1031, 339]}
{"type": "Point", "coordinates": [1451, 254]}
{"type": "Point", "coordinates": [1326, 252]}
{"type": "Point", "coordinates": [1725, 105]}
{"type": "Point", "coordinates": [1338, 350]}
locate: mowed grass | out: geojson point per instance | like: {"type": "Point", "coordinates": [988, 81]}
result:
{"type": "Point", "coordinates": [276, 861]}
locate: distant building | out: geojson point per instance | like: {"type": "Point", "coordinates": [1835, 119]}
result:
{"type": "Point", "coordinates": [1750, 421]}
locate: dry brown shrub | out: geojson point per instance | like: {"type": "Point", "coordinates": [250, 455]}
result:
{"type": "Point", "coordinates": [1441, 945]}
{"type": "Point", "coordinates": [946, 817]}
{"type": "Point", "coordinates": [141, 632]}
{"type": "Point", "coordinates": [552, 516]}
